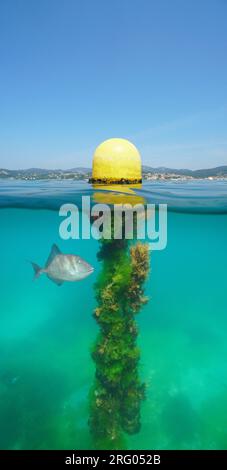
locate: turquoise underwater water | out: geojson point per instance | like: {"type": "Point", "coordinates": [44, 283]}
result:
{"type": "Point", "coordinates": [47, 332]}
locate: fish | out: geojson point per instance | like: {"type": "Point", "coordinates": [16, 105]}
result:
{"type": "Point", "coordinates": [60, 267]}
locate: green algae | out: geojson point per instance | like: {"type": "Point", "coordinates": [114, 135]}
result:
{"type": "Point", "coordinates": [115, 399]}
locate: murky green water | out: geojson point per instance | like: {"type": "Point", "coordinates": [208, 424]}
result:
{"type": "Point", "coordinates": [46, 331]}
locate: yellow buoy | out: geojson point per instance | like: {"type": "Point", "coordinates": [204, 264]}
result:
{"type": "Point", "coordinates": [116, 161]}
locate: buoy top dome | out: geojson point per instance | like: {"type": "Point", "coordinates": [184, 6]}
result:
{"type": "Point", "coordinates": [116, 161]}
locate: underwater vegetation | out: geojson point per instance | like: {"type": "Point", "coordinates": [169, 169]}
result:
{"type": "Point", "coordinates": [46, 333]}
{"type": "Point", "coordinates": [118, 391]}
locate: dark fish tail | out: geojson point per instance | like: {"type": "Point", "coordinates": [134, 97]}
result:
{"type": "Point", "coordinates": [37, 270]}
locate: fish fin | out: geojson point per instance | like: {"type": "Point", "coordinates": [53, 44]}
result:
{"type": "Point", "coordinates": [54, 252]}
{"type": "Point", "coordinates": [56, 281]}
{"type": "Point", "coordinates": [37, 270]}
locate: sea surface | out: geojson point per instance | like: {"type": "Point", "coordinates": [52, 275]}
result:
{"type": "Point", "coordinates": [47, 332]}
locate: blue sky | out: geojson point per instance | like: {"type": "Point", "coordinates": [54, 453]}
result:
{"type": "Point", "coordinates": [76, 72]}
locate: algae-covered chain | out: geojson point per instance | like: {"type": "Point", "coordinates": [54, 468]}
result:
{"type": "Point", "coordinates": [118, 391]}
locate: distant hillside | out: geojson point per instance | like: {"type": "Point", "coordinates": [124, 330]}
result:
{"type": "Point", "coordinates": [41, 173]}
{"type": "Point", "coordinates": [80, 169]}
{"type": "Point", "coordinates": [84, 172]}
{"type": "Point", "coordinates": [203, 173]}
